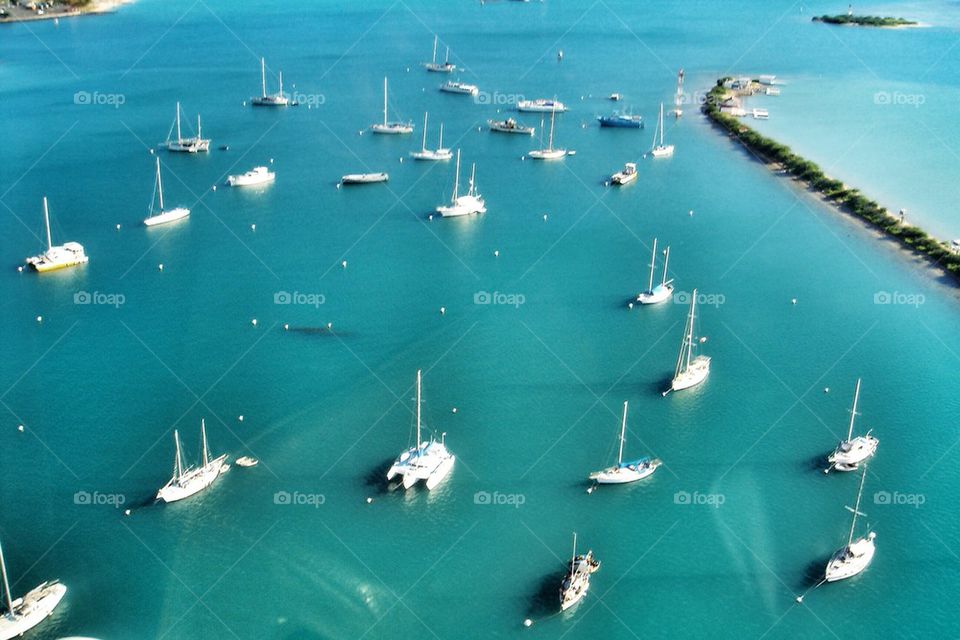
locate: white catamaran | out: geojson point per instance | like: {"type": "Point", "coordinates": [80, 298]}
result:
{"type": "Point", "coordinates": [194, 144]}
{"type": "Point", "coordinates": [68, 254]}
{"type": "Point", "coordinates": [431, 154]}
{"type": "Point", "coordinates": [857, 554]}
{"type": "Point", "coordinates": [445, 67]}
{"type": "Point", "coordinates": [629, 471]}
{"type": "Point", "coordinates": [549, 153]}
{"type": "Point", "coordinates": [273, 100]}
{"type": "Point", "coordinates": [190, 480]}
{"type": "Point", "coordinates": [430, 461]}
{"type": "Point", "coordinates": [852, 451]}
{"type": "Point", "coordinates": [471, 202]}
{"type": "Point", "coordinates": [690, 370]}
{"type": "Point", "coordinates": [660, 150]}
{"type": "Point", "coordinates": [390, 127]}
{"type": "Point", "coordinates": [576, 582]}
{"type": "Point", "coordinates": [22, 614]}
{"type": "Point", "coordinates": [163, 215]}
{"type": "Point", "coordinates": [663, 291]}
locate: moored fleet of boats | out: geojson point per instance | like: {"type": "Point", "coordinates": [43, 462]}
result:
{"type": "Point", "coordinates": [428, 460]}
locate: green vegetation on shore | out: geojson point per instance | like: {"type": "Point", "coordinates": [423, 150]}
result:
{"type": "Point", "coordinates": [833, 190]}
{"type": "Point", "coordinates": [865, 21]}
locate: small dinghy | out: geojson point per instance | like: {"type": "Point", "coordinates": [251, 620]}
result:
{"type": "Point", "coordinates": [247, 461]}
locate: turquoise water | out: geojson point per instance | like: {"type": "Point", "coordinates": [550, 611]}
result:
{"type": "Point", "coordinates": [538, 387]}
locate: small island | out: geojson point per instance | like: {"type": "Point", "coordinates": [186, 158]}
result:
{"type": "Point", "coordinates": [25, 10]}
{"type": "Point", "coordinates": [865, 21]}
{"type": "Point", "coordinates": [719, 108]}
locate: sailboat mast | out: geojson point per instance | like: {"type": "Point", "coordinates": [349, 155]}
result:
{"type": "Point", "coordinates": [693, 307]}
{"type": "Point", "coordinates": [574, 561]}
{"type": "Point", "coordinates": [263, 78]}
{"type": "Point", "coordinates": [423, 144]}
{"type": "Point", "coordinates": [178, 459]}
{"type": "Point", "coordinates": [853, 412]}
{"type": "Point", "coordinates": [435, 39]}
{"type": "Point", "coordinates": [553, 115]}
{"type": "Point", "coordinates": [159, 185]}
{"type": "Point", "coordinates": [439, 146]}
{"type": "Point", "coordinates": [446, 60]}
{"type": "Point", "coordinates": [6, 584]}
{"type": "Point", "coordinates": [179, 137]}
{"type": "Point", "coordinates": [46, 222]}
{"type": "Point", "coordinates": [666, 260]}
{"type": "Point", "coordinates": [418, 409]}
{"type": "Point", "coordinates": [199, 130]}
{"type": "Point", "coordinates": [280, 93]}
{"type": "Point", "coordinates": [856, 509]}
{"type": "Point", "coordinates": [473, 176]}
{"type": "Point", "coordinates": [456, 180]}
{"type": "Point", "coordinates": [384, 101]}
{"type": "Point", "coordinates": [661, 124]}
{"type": "Point", "coordinates": [203, 437]}
{"type": "Point", "coordinates": [653, 265]}
{"type": "Point", "coordinates": [623, 434]}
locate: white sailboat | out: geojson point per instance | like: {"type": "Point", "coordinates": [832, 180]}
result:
{"type": "Point", "coordinates": [445, 67]}
{"type": "Point", "coordinates": [163, 215]}
{"type": "Point", "coordinates": [678, 96]}
{"type": "Point", "coordinates": [390, 127]}
{"type": "Point", "coordinates": [852, 451]}
{"type": "Point", "coordinates": [277, 99]}
{"type": "Point", "coordinates": [576, 582]}
{"type": "Point", "coordinates": [471, 202]}
{"type": "Point", "coordinates": [690, 370]}
{"type": "Point", "coordinates": [22, 614]}
{"type": "Point", "coordinates": [549, 153]}
{"type": "Point", "coordinates": [663, 291]}
{"type": "Point", "coordinates": [68, 254]}
{"type": "Point", "coordinates": [857, 554]}
{"type": "Point", "coordinates": [190, 480]}
{"type": "Point", "coordinates": [660, 150]}
{"type": "Point", "coordinates": [629, 471]}
{"type": "Point", "coordinates": [193, 144]}
{"type": "Point", "coordinates": [431, 154]}
{"type": "Point", "coordinates": [430, 461]}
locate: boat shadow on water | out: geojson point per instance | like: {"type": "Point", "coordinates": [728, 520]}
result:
{"type": "Point", "coordinates": [545, 600]}
{"type": "Point", "coordinates": [321, 332]}
{"type": "Point", "coordinates": [376, 478]}
{"type": "Point", "coordinates": [813, 573]}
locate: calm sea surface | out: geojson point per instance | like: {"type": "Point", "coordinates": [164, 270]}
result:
{"type": "Point", "coordinates": [717, 543]}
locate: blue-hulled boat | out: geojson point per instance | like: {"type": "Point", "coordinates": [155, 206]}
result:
{"type": "Point", "coordinates": [624, 120]}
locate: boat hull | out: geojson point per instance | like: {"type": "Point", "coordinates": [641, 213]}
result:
{"type": "Point", "coordinates": [548, 154]}
{"type": "Point", "coordinates": [32, 609]}
{"type": "Point", "coordinates": [851, 560]}
{"type": "Point", "coordinates": [464, 206]}
{"type": "Point", "coordinates": [70, 254]}
{"type": "Point", "coordinates": [392, 128]}
{"type": "Point", "coordinates": [695, 374]}
{"type": "Point", "coordinates": [364, 178]}
{"type": "Point", "coordinates": [167, 216]}
{"type": "Point", "coordinates": [660, 293]}
{"type": "Point", "coordinates": [189, 146]}
{"type": "Point", "coordinates": [625, 473]}
{"type": "Point", "coordinates": [857, 450]}
{"type": "Point", "coordinates": [662, 152]}
{"type": "Point", "coordinates": [433, 155]}
{"type": "Point", "coordinates": [270, 101]}
{"type": "Point", "coordinates": [201, 479]}
{"type": "Point", "coordinates": [620, 178]}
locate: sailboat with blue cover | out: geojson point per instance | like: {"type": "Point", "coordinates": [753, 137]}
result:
{"type": "Point", "coordinates": [629, 471]}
